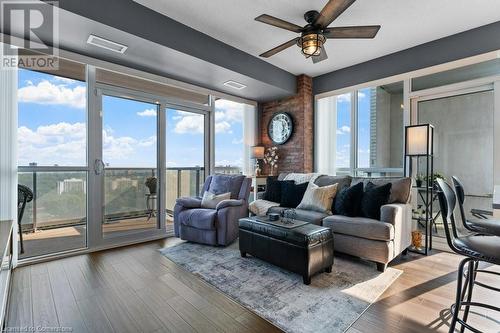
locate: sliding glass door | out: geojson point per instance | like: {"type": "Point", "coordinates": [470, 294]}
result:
{"type": "Point", "coordinates": [125, 141]}
{"type": "Point", "coordinates": [186, 132]}
{"type": "Point", "coordinates": [129, 165]}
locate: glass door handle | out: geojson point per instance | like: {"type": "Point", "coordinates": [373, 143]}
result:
{"type": "Point", "coordinates": [98, 166]}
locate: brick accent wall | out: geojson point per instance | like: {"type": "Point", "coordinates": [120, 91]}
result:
{"type": "Point", "coordinates": [296, 155]}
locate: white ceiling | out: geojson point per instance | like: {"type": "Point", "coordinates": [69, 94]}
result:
{"type": "Point", "coordinates": [405, 23]}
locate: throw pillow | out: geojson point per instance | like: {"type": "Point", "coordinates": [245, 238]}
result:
{"type": "Point", "coordinates": [292, 194]}
{"type": "Point", "coordinates": [374, 198]}
{"type": "Point", "coordinates": [210, 200]}
{"type": "Point", "coordinates": [317, 198]}
{"type": "Point", "coordinates": [273, 189]}
{"type": "Point", "coordinates": [348, 200]}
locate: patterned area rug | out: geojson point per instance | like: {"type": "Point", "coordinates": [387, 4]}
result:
{"type": "Point", "coordinates": [331, 303]}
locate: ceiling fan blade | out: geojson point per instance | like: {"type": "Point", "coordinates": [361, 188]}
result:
{"type": "Point", "coordinates": [279, 48]}
{"type": "Point", "coordinates": [322, 56]}
{"type": "Point", "coordinates": [362, 31]}
{"type": "Point", "coordinates": [331, 11]}
{"type": "Point", "coordinates": [268, 19]}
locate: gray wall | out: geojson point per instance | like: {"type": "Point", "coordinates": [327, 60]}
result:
{"type": "Point", "coordinates": [463, 138]}
{"type": "Point", "coordinates": [465, 44]}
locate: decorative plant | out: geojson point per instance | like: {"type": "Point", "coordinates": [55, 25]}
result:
{"type": "Point", "coordinates": [419, 179]}
{"type": "Point", "coordinates": [151, 183]}
{"type": "Point", "coordinates": [434, 177]}
{"type": "Point", "coordinates": [271, 157]}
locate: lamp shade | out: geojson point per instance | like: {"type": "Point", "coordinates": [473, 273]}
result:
{"type": "Point", "coordinates": [258, 152]}
{"type": "Point", "coordinates": [419, 140]}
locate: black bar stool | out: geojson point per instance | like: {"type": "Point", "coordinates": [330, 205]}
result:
{"type": "Point", "coordinates": [487, 226]}
{"type": "Point", "coordinates": [24, 195]}
{"type": "Point", "coordinates": [476, 248]}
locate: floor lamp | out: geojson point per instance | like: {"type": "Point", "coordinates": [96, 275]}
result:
{"type": "Point", "coordinates": [419, 143]}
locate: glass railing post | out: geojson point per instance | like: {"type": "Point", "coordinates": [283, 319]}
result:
{"type": "Point", "coordinates": [198, 181]}
{"type": "Point", "coordinates": [34, 200]}
{"type": "Point", "coordinates": [179, 183]}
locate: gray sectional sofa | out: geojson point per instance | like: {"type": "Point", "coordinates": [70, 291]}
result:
{"type": "Point", "coordinates": [378, 241]}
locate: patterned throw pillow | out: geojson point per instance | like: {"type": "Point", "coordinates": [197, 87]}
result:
{"type": "Point", "coordinates": [210, 200]}
{"type": "Point", "coordinates": [318, 198]}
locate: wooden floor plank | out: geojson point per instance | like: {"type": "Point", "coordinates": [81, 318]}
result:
{"type": "Point", "coordinates": [171, 320]}
{"type": "Point", "coordinates": [94, 316]}
{"type": "Point", "coordinates": [44, 310]}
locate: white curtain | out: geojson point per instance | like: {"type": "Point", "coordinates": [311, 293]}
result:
{"type": "Point", "coordinates": [249, 137]}
{"type": "Point", "coordinates": [325, 137]}
{"type": "Point", "coordinates": [8, 146]}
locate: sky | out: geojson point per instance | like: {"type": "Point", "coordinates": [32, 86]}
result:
{"type": "Point", "coordinates": [52, 128]}
{"type": "Point", "coordinates": [344, 129]}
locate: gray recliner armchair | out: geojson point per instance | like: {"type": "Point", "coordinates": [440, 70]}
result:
{"type": "Point", "coordinates": [217, 226]}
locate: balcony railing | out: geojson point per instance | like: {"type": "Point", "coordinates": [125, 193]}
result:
{"type": "Point", "coordinates": [60, 193]}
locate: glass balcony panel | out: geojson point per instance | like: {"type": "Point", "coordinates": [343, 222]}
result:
{"type": "Point", "coordinates": [55, 220]}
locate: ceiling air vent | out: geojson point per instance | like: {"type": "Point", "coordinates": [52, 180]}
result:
{"type": "Point", "coordinates": [106, 44]}
{"type": "Point", "coordinates": [234, 85]}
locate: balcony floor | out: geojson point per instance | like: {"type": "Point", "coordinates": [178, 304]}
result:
{"type": "Point", "coordinates": [47, 241]}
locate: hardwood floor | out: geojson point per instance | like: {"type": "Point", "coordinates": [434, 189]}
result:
{"type": "Point", "coordinates": [136, 289]}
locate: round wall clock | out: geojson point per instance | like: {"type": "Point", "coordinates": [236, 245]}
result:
{"type": "Point", "coordinates": [280, 128]}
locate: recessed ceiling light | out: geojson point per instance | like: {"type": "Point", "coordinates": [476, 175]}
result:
{"type": "Point", "coordinates": [106, 44]}
{"type": "Point", "coordinates": [235, 85]}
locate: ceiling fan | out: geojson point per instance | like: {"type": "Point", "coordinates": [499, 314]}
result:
{"type": "Point", "coordinates": [315, 33]}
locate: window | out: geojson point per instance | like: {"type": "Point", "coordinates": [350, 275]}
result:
{"type": "Point", "coordinates": [378, 132]}
{"type": "Point", "coordinates": [380, 128]}
{"type": "Point", "coordinates": [52, 115]}
{"type": "Point", "coordinates": [333, 146]}
{"type": "Point", "coordinates": [234, 135]}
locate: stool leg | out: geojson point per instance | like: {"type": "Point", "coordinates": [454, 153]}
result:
{"type": "Point", "coordinates": [471, 277]}
{"type": "Point", "coordinates": [458, 298]}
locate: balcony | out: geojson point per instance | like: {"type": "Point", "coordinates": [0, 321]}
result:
{"type": "Point", "coordinates": [56, 219]}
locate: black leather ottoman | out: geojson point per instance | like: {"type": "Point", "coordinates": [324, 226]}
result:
{"type": "Point", "coordinates": [306, 249]}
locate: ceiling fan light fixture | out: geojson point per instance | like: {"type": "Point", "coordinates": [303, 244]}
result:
{"type": "Point", "coordinates": [311, 44]}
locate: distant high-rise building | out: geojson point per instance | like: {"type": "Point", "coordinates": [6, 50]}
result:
{"type": "Point", "coordinates": [73, 185]}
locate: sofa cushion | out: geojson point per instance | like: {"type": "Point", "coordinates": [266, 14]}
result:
{"type": "Point", "coordinates": [302, 215]}
{"type": "Point", "coordinates": [360, 227]}
{"type": "Point", "coordinates": [199, 218]}
{"type": "Point", "coordinates": [342, 181]}
{"type": "Point", "coordinates": [348, 200]}
{"type": "Point", "coordinates": [226, 183]}
{"type": "Point", "coordinates": [400, 190]}
{"type": "Point", "coordinates": [292, 194]}
{"type": "Point", "coordinates": [374, 197]}
{"type": "Point", "coordinates": [318, 198]}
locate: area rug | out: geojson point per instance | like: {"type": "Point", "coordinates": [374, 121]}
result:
{"type": "Point", "coordinates": [331, 303]}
